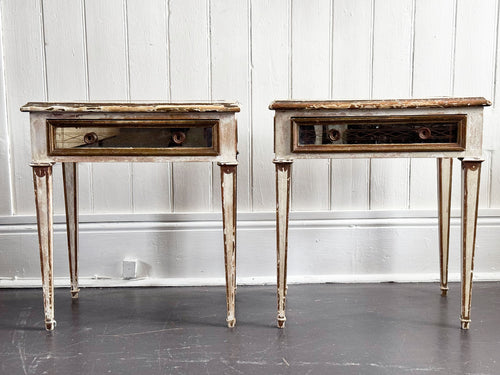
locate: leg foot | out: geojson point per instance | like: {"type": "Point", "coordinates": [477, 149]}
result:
{"type": "Point", "coordinates": [50, 325]}
{"type": "Point", "coordinates": [70, 177]}
{"type": "Point", "coordinates": [444, 168]}
{"type": "Point", "coordinates": [42, 178]}
{"type": "Point", "coordinates": [464, 324]}
{"type": "Point", "coordinates": [228, 190]}
{"type": "Point", "coordinates": [283, 176]}
{"type": "Point", "coordinates": [471, 172]}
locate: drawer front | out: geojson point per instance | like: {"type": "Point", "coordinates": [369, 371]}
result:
{"type": "Point", "coordinates": [379, 133]}
{"type": "Point", "coordinates": [133, 137]}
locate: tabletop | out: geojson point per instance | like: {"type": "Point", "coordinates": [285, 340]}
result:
{"type": "Point", "coordinates": [208, 106]}
{"type": "Point", "coordinates": [378, 104]}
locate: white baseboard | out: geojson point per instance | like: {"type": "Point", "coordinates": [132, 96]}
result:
{"type": "Point", "coordinates": [186, 249]}
{"type": "Point", "coordinates": [89, 282]}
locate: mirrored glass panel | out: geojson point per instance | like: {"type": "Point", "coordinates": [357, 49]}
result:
{"type": "Point", "coordinates": [132, 137]}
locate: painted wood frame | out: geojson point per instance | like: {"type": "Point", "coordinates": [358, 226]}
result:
{"type": "Point", "coordinates": [106, 115]}
{"type": "Point", "coordinates": [470, 110]}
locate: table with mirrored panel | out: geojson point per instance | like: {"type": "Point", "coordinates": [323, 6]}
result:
{"type": "Point", "coordinates": [127, 132]}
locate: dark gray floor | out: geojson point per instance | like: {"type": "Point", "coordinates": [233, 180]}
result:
{"type": "Point", "coordinates": [331, 329]}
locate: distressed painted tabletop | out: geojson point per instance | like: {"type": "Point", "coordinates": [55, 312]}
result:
{"type": "Point", "coordinates": [378, 104]}
{"type": "Point", "coordinates": [131, 107]}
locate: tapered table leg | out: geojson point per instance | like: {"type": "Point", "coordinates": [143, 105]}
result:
{"type": "Point", "coordinates": [70, 177]}
{"type": "Point", "coordinates": [228, 190]}
{"type": "Point", "coordinates": [471, 173]}
{"type": "Point", "coordinates": [283, 176]}
{"type": "Point", "coordinates": [444, 170]}
{"type": "Point", "coordinates": [42, 178]}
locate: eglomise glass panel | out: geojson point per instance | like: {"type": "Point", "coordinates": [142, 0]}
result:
{"type": "Point", "coordinates": [379, 133]}
{"type": "Point", "coordinates": [131, 137]}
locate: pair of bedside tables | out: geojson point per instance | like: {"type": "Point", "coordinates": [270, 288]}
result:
{"type": "Point", "coordinates": [169, 132]}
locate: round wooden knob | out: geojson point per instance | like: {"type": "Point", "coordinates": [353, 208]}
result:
{"type": "Point", "coordinates": [334, 135]}
{"type": "Point", "coordinates": [179, 137]}
{"type": "Point", "coordinates": [424, 133]}
{"type": "Point", "coordinates": [90, 138]}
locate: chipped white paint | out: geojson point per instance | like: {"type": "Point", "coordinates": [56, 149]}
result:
{"type": "Point", "coordinates": [283, 175]}
{"type": "Point", "coordinates": [131, 107]}
{"type": "Point", "coordinates": [42, 178]}
{"type": "Point", "coordinates": [444, 175]}
{"type": "Point", "coordinates": [289, 112]}
{"type": "Point", "coordinates": [70, 177]}
{"type": "Point", "coordinates": [228, 190]}
{"type": "Point", "coordinates": [471, 173]}
{"type": "Point", "coordinates": [283, 141]}
{"type": "Point", "coordinates": [225, 155]}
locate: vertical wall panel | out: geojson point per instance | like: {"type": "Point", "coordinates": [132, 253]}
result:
{"type": "Point", "coordinates": [270, 81]}
{"type": "Point", "coordinates": [475, 42]}
{"type": "Point", "coordinates": [352, 49]}
{"type": "Point", "coordinates": [147, 49]}
{"type": "Point", "coordinates": [432, 76]}
{"type": "Point", "coordinates": [494, 119]}
{"type": "Point", "coordinates": [190, 74]}
{"type": "Point", "coordinates": [5, 172]}
{"type": "Point", "coordinates": [106, 45]}
{"type": "Point", "coordinates": [230, 81]}
{"type": "Point", "coordinates": [24, 81]}
{"type": "Point", "coordinates": [433, 48]}
{"type": "Point", "coordinates": [148, 59]}
{"type": "Point", "coordinates": [64, 51]}
{"type": "Point", "coordinates": [310, 73]}
{"type": "Point", "coordinates": [392, 57]}
{"type": "Point", "coordinates": [108, 80]}
{"type": "Point", "coordinates": [65, 57]}
{"type": "Point", "coordinates": [351, 78]}
{"type": "Point", "coordinates": [474, 67]}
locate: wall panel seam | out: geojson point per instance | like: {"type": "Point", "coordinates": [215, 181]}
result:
{"type": "Point", "coordinates": [209, 49]}
{"type": "Point", "coordinates": [372, 45]}
{"type": "Point", "coordinates": [330, 91]}
{"type": "Point", "coordinates": [128, 94]}
{"type": "Point", "coordinates": [210, 97]}
{"type": "Point", "coordinates": [495, 57]}
{"type": "Point", "coordinates": [87, 94]}
{"type": "Point", "coordinates": [454, 49]}
{"type": "Point", "coordinates": [372, 59]}
{"type": "Point", "coordinates": [85, 49]}
{"type": "Point", "coordinates": [43, 51]}
{"type": "Point", "coordinates": [497, 27]}
{"type": "Point", "coordinates": [494, 62]}
{"type": "Point", "coordinates": [169, 95]}
{"type": "Point", "coordinates": [412, 47]}
{"type": "Point", "coordinates": [412, 85]}
{"type": "Point", "coordinates": [5, 118]}
{"type": "Point", "coordinates": [251, 105]}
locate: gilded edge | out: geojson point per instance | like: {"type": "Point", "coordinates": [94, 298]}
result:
{"type": "Point", "coordinates": [130, 107]}
{"type": "Point", "coordinates": [378, 104]}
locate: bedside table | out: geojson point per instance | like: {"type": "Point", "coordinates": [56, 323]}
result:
{"type": "Point", "coordinates": [127, 132]}
{"type": "Point", "coordinates": [443, 128]}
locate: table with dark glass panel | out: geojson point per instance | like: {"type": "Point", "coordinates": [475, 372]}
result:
{"type": "Point", "coordinates": [441, 128]}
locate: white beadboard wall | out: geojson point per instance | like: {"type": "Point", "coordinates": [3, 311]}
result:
{"type": "Point", "coordinates": [352, 220]}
